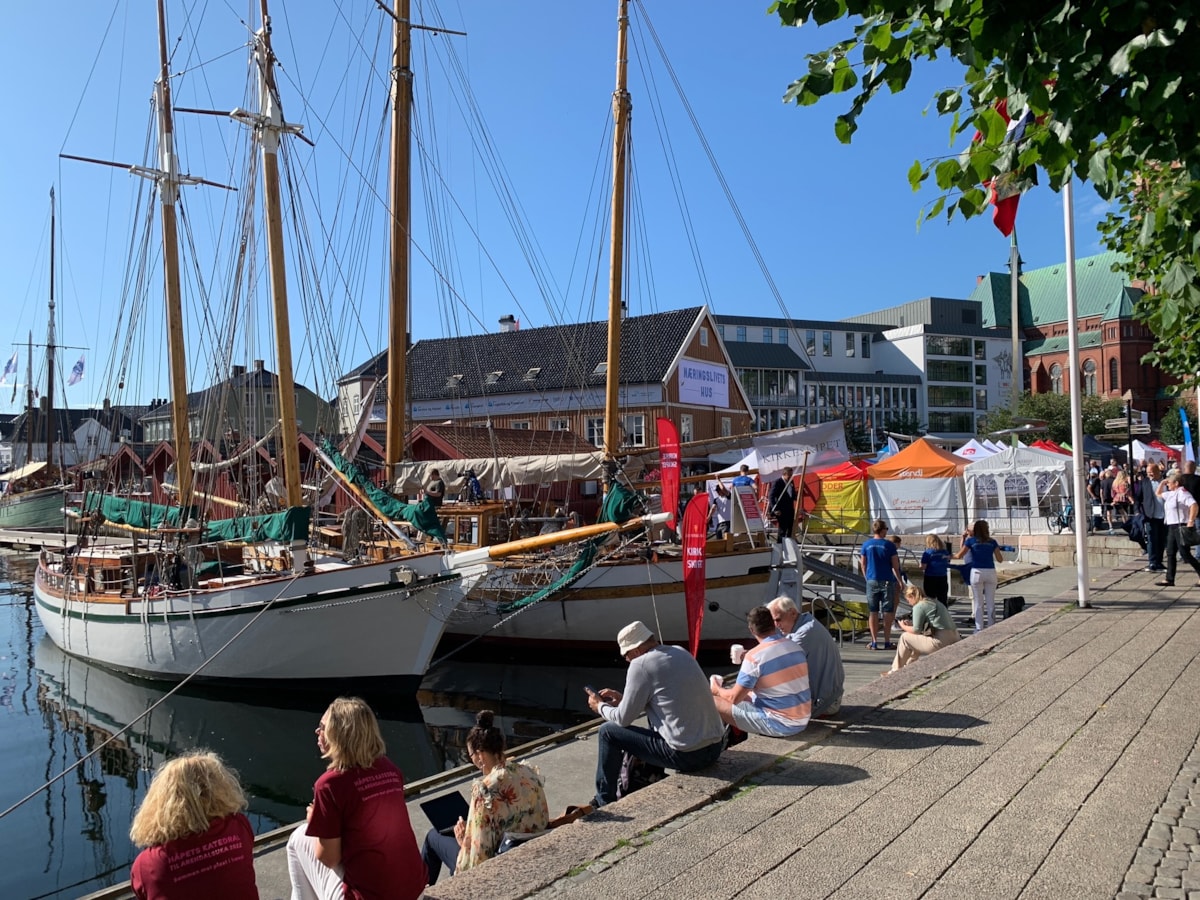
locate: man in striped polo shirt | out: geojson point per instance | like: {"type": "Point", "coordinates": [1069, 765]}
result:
{"type": "Point", "coordinates": [771, 696]}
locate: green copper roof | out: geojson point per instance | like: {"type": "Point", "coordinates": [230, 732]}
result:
{"type": "Point", "coordinates": [1059, 344]}
{"type": "Point", "coordinates": [1042, 294]}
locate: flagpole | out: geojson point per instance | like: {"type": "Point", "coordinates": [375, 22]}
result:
{"type": "Point", "coordinates": [1082, 508]}
{"type": "Point", "coordinates": [1017, 377]}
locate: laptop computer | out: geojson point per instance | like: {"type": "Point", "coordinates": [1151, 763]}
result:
{"type": "Point", "coordinates": [444, 811]}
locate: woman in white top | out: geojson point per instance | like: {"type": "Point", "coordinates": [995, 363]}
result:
{"type": "Point", "coordinates": [1179, 509]}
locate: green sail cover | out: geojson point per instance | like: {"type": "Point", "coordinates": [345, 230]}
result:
{"type": "Point", "coordinates": [422, 516]}
{"type": "Point", "coordinates": [289, 525]}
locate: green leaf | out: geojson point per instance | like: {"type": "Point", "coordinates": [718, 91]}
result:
{"type": "Point", "coordinates": [949, 101]}
{"type": "Point", "coordinates": [1168, 313]}
{"type": "Point", "coordinates": [916, 175]}
{"type": "Point", "coordinates": [947, 173]}
{"type": "Point", "coordinates": [896, 74]}
{"type": "Point", "coordinates": [844, 127]}
{"type": "Point", "coordinates": [844, 77]}
{"type": "Point", "coordinates": [938, 205]}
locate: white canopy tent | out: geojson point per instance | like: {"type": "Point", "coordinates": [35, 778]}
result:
{"type": "Point", "coordinates": [1143, 452]}
{"type": "Point", "coordinates": [1016, 489]}
{"type": "Point", "coordinates": [973, 450]}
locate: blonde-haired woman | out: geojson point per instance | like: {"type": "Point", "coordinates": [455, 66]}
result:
{"type": "Point", "coordinates": [198, 842]}
{"type": "Point", "coordinates": [358, 840]}
{"type": "Point", "coordinates": [984, 553]}
{"type": "Point", "coordinates": [931, 628]}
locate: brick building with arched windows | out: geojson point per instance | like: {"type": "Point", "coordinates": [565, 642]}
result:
{"type": "Point", "coordinates": [1111, 342]}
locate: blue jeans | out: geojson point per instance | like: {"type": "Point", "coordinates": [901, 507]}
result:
{"type": "Point", "coordinates": [881, 596]}
{"type": "Point", "coordinates": [646, 745]}
{"type": "Point", "coordinates": [439, 849]}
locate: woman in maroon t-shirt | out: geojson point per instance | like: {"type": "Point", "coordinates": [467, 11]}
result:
{"type": "Point", "coordinates": [358, 842]}
{"type": "Point", "coordinates": [198, 843]}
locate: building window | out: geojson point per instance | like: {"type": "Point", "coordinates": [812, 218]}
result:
{"type": "Point", "coordinates": [703, 336]}
{"type": "Point", "coordinates": [595, 431]}
{"type": "Point", "coordinates": [559, 424]}
{"type": "Point", "coordinates": [726, 426]}
{"type": "Point", "coordinates": [1089, 378]}
{"type": "Point", "coordinates": [810, 342]}
{"type": "Point", "coordinates": [721, 331]}
{"type": "Point", "coordinates": [741, 334]}
{"type": "Point", "coordinates": [981, 349]}
{"type": "Point", "coordinates": [940, 345]}
{"type": "Point", "coordinates": [981, 399]}
{"type": "Point", "coordinates": [685, 428]}
{"type": "Point", "coordinates": [866, 346]}
{"type": "Point", "coordinates": [827, 343]}
{"type": "Point", "coordinates": [601, 369]}
{"type": "Point", "coordinates": [768, 335]}
{"type": "Point", "coordinates": [493, 377]}
{"type": "Point", "coordinates": [948, 370]}
{"type": "Point", "coordinates": [944, 395]}
{"type": "Point", "coordinates": [981, 374]}
{"type": "Point", "coordinates": [950, 423]}
{"type": "Point", "coordinates": [1056, 385]}
{"type": "Point", "coordinates": [635, 431]}
{"type": "Point", "coordinates": [532, 374]}
{"type": "Point", "coordinates": [1114, 381]}
{"type": "Point", "coordinates": [782, 337]}
{"type": "Point", "coordinates": [523, 425]}
{"type": "Point", "coordinates": [849, 343]}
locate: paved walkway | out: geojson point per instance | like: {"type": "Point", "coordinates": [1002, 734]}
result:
{"type": "Point", "coordinates": [1053, 756]}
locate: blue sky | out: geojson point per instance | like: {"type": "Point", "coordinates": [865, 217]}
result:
{"type": "Point", "coordinates": [835, 224]}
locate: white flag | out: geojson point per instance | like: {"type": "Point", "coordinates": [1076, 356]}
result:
{"type": "Point", "coordinates": [10, 368]}
{"type": "Point", "coordinates": [76, 373]}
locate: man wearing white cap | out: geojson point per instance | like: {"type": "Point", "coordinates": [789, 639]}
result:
{"type": "Point", "coordinates": [666, 685]}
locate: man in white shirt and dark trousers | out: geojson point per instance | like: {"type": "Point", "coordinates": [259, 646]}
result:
{"type": "Point", "coordinates": [1179, 510]}
{"type": "Point", "coordinates": [667, 685]}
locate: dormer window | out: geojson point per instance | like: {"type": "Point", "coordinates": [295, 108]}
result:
{"type": "Point", "coordinates": [453, 382]}
{"type": "Point", "coordinates": [601, 369]}
{"type": "Point", "coordinates": [533, 373]}
{"type": "Point", "coordinates": [493, 377]}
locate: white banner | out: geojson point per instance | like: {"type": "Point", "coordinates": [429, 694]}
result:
{"type": "Point", "coordinates": [703, 384]}
{"type": "Point", "coordinates": [817, 446]}
{"type": "Point", "coordinates": [919, 505]}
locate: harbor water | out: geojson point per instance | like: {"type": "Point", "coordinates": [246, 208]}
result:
{"type": "Point", "coordinates": [72, 837]}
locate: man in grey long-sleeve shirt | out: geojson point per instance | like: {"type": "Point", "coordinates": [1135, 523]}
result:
{"type": "Point", "coordinates": [666, 685]}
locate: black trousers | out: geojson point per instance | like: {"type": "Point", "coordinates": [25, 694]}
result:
{"type": "Point", "coordinates": [1176, 546]}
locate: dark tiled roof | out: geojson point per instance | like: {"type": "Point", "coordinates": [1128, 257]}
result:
{"type": "Point", "coordinates": [566, 356]}
{"type": "Point", "coordinates": [261, 380]}
{"type": "Point", "coordinates": [747, 355]}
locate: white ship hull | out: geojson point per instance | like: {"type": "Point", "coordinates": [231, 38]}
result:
{"type": "Point", "coordinates": [338, 622]}
{"type": "Point", "coordinates": [611, 595]}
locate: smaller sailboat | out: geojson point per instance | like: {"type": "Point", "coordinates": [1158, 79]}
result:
{"type": "Point", "coordinates": [31, 496]}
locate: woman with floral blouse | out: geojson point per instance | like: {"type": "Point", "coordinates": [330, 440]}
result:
{"type": "Point", "coordinates": [508, 798]}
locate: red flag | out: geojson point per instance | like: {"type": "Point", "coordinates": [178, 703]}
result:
{"type": "Point", "coordinates": [695, 536]}
{"type": "Point", "coordinates": [668, 452]}
{"type": "Point", "coordinates": [1004, 192]}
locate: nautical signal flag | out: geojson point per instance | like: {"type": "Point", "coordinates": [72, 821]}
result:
{"type": "Point", "coordinates": [10, 368]}
{"type": "Point", "coordinates": [76, 375]}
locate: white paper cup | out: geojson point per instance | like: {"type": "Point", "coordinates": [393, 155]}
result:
{"type": "Point", "coordinates": [736, 654]}
{"type": "Point", "coordinates": [717, 681]}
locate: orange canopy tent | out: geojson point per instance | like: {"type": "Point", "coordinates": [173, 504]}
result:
{"type": "Point", "coordinates": [919, 490]}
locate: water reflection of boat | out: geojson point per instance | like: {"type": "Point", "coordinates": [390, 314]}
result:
{"type": "Point", "coordinates": [271, 746]}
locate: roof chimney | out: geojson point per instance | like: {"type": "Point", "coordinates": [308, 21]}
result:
{"type": "Point", "coordinates": [508, 323]}
{"type": "Point", "coordinates": [258, 365]}
{"type": "Point", "coordinates": [238, 370]}
{"type": "Point", "coordinates": [979, 279]}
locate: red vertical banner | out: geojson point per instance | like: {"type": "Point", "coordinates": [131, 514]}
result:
{"type": "Point", "coordinates": [668, 454]}
{"type": "Point", "coordinates": [695, 536]}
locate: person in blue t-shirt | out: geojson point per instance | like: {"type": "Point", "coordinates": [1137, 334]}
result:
{"type": "Point", "coordinates": [881, 567]}
{"type": "Point", "coordinates": [744, 477]}
{"type": "Point", "coordinates": [935, 563]}
{"type": "Point", "coordinates": [984, 554]}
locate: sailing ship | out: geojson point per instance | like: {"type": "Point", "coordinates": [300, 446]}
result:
{"type": "Point", "coordinates": [152, 609]}
{"type": "Point", "coordinates": [32, 495]}
{"type": "Point", "coordinates": [243, 598]}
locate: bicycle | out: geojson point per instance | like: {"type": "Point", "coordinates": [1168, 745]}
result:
{"type": "Point", "coordinates": [1064, 518]}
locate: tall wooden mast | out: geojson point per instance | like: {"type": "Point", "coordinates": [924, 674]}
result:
{"type": "Point", "coordinates": [50, 354]}
{"type": "Point", "coordinates": [401, 209]}
{"type": "Point", "coordinates": [270, 124]}
{"type": "Point", "coordinates": [168, 178]}
{"type": "Point", "coordinates": [621, 111]}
